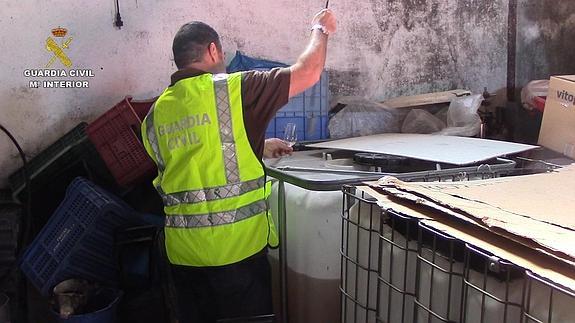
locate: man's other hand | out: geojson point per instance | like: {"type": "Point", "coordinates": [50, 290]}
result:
{"type": "Point", "coordinates": [274, 148]}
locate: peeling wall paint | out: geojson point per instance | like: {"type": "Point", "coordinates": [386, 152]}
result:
{"type": "Point", "coordinates": [384, 48]}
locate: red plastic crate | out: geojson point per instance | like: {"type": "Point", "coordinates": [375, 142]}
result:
{"type": "Point", "coordinates": [141, 107]}
{"type": "Point", "coordinates": [116, 135]}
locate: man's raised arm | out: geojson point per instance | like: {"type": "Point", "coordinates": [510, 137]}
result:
{"type": "Point", "coordinates": [307, 70]}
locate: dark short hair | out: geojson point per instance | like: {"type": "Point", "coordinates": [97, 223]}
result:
{"type": "Point", "coordinates": [191, 41]}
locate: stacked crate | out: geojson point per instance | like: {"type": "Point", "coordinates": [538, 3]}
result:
{"type": "Point", "coordinates": [116, 135]}
{"type": "Point", "coordinates": [308, 111]}
{"type": "Point", "coordinates": [78, 240]}
{"type": "Point", "coordinates": [52, 170]}
{"type": "Point", "coordinates": [10, 228]}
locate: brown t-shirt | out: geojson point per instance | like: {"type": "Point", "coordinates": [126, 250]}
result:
{"type": "Point", "coordinates": [263, 94]}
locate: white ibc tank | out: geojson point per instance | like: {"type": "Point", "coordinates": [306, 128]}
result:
{"type": "Point", "coordinates": [313, 258]}
{"type": "Point", "coordinates": [364, 230]}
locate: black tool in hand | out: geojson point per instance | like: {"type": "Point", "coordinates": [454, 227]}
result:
{"type": "Point", "coordinates": [326, 4]}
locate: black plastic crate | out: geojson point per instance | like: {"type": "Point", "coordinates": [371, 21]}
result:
{"type": "Point", "coordinates": [49, 160]}
{"type": "Point", "coordinates": [78, 240]}
{"type": "Point", "coordinates": [48, 187]}
{"type": "Point", "coordinates": [139, 251]}
{"type": "Point", "coordinates": [136, 256]}
{"type": "Point", "coordinates": [6, 197]}
{"type": "Point", "coordinates": [143, 306]}
{"type": "Point", "coordinates": [10, 217]}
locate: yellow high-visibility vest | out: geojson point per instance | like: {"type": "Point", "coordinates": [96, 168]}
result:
{"type": "Point", "coordinates": [212, 184]}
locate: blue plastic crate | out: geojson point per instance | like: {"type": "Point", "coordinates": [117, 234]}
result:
{"type": "Point", "coordinates": [308, 110]}
{"type": "Point", "coordinates": [78, 240]}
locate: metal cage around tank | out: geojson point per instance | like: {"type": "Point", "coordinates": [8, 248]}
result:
{"type": "Point", "coordinates": [395, 268]}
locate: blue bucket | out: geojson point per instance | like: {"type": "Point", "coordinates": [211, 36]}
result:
{"type": "Point", "coordinates": [103, 308]}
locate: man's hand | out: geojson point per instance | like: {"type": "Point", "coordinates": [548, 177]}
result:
{"type": "Point", "coordinates": [307, 70]}
{"type": "Point", "coordinates": [327, 19]}
{"type": "Point", "coordinates": [274, 148]}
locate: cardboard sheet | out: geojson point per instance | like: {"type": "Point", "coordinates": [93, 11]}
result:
{"type": "Point", "coordinates": [522, 256]}
{"type": "Point", "coordinates": [444, 149]}
{"type": "Point", "coordinates": [517, 211]}
{"type": "Point", "coordinates": [544, 197]}
{"type": "Point", "coordinates": [541, 264]}
{"type": "Point", "coordinates": [462, 217]}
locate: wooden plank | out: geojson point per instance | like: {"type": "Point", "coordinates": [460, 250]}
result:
{"type": "Point", "coordinates": [444, 149]}
{"type": "Point", "coordinates": [425, 99]}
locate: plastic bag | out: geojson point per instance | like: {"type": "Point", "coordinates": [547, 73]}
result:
{"type": "Point", "coordinates": [462, 117]}
{"type": "Point", "coordinates": [532, 90]}
{"type": "Point", "coordinates": [362, 117]}
{"type": "Point", "coordinates": [421, 121]}
{"type": "Point", "coordinates": [242, 62]}
{"type": "Point", "coordinates": [442, 115]}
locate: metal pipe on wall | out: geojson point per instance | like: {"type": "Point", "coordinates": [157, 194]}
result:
{"type": "Point", "coordinates": [511, 49]}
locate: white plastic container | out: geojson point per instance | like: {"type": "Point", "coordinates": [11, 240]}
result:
{"type": "Point", "coordinates": [361, 281]}
{"type": "Point", "coordinates": [313, 258]}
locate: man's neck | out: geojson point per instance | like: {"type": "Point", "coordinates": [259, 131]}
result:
{"type": "Point", "coordinates": [185, 73]}
{"type": "Point", "coordinates": [192, 70]}
{"type": "Point", "coordinates": [206, 68]}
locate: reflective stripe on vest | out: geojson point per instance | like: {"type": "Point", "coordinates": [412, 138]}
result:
{"type": "Point", "coordinates": [214, 219]}
{"type": "Point", "coordinates": [153, 140]}
{"type": "Point", "coordinates": [214, 193]}
{"type": "Point", "coordinates": [226, 130]}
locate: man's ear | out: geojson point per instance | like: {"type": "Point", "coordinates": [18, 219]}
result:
{"type": "Point", "coordinates": [213, 52]}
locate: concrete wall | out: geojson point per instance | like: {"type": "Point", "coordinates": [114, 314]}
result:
{"type": "Point", "coordinates": [391, 48]}
{"type": "Point", "coordinates": [545, 39]}
{"type": "Point", "coordinates": [383, 49]}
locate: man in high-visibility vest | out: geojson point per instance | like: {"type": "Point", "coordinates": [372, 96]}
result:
{"type": "Point", "coordinates": [206, 135]}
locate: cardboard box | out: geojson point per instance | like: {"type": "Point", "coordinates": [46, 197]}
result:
{"type": "Point", "coordinates": [558, 127]}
